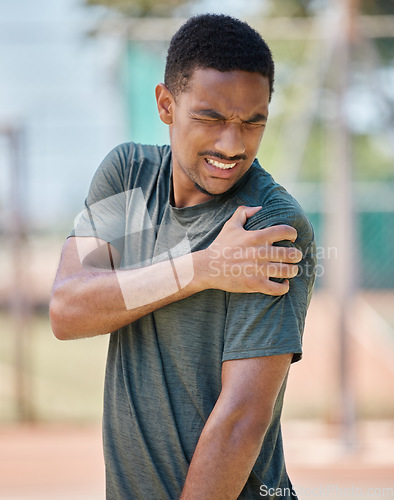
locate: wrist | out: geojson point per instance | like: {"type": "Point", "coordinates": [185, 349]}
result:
{"type": "Point", "coordinates": [202, 279]}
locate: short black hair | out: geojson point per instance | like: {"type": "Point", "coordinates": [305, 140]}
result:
{"type": "Point", "coordinates": [219, 42]}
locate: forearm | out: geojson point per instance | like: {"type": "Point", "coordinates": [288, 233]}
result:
{"type": "Point", "coordinates": [98, 301]}
{"type": "Point", "coordinates": [223, 460]}
{"type": "Point", "coordinates": [90, 299]}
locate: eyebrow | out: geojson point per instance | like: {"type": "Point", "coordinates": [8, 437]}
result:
{"type": "Point", "coordinates": [211, 113]}
{"type": "Point", "coordinates": [258, 117]}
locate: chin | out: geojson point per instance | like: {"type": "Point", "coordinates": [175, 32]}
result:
{"type": "Point", "coordinates": [203, 190]}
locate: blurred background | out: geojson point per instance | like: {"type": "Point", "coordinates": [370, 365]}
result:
{"type": "Point", "coordinates": [77, 78]}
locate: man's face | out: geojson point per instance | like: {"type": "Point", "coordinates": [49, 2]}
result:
{"type": "Point", "coordinates": [216, 127]}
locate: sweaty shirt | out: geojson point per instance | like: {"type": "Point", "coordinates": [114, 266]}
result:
{"type": "Point", "coordinates": [163, 373]}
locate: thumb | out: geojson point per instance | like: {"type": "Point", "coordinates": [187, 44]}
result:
{"type": "Point", "coordinates": [241, 215]}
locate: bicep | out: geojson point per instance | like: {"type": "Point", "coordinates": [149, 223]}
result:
{"type": "Point", "coordinates": [85, 252]}
{"type": "Point", "coordinates": [252, 385]}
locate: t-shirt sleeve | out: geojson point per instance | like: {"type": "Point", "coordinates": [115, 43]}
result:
{"type": "Point", "coordinates": [264, 325]}
{"type": "Point", "coordinates": [103, 215]}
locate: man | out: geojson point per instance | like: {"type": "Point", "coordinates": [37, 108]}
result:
{"type": "Point", "coordinates": [177, 255]}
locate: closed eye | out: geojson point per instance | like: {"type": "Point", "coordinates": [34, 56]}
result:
{"type": "Point", "coordinates": [208, 115]}
{"type": "Point", "coordinates": [211, 116]}
{"type": "Point", "coordinates": [208, 120]}
{"type": "Point", "coordinates": [253, 124]}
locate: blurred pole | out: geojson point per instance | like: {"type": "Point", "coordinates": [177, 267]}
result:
{"type": "Point", "coordinates": [341, 224]}
{"type": "Point", "coordinates": [19, 301]}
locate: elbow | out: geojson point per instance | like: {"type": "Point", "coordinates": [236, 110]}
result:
{"type": "Point", "coordinates": [246, 426]}
{"type": "Point", "coordinates": [69, 315]}
{"type": "Point", "coordinates": [60, 317]}
{"type": "Point", "coordinates": [56, 316]}
{"type": "Point", "coordinates": [249, 423]}
{"type": "Point", "coordinates": [253, 427]}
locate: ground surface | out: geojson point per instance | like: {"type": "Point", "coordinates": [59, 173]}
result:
{"type": "Point", "coordinates": [65, 463]}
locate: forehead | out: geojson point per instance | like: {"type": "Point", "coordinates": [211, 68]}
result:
{"type": "Point", "coordinates": [236, 91]}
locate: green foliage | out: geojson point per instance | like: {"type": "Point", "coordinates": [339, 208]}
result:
{"type": "Point", "coordinates": [139, 8]}
{"type": "Point", "coordinates": [371, 159]}
{"type": "Point", "coordinates": [303, 8]}
{"type": "Point", "coordinates": [291, 8]}
{"type": "Point", "coordinates": [377, 7]}
{"type": "Point", "coordinates": [385, 48]}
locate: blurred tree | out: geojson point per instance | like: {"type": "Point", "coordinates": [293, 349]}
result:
{"type": "Point", "coordinates": [385, 46]}
{"type": "Point", "coordinates": [291, 8]}
{"type": "Point", "coordinates": [140, 8]}
{"type": "Point", "coordinates": [377, 7]}
{"type": "Point", "coordinates": [303, 8]}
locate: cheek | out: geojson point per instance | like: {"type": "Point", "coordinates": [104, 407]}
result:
{"type": "Point", "coordinates": [192, 140]}
{"type": "Point", "coordinates": [253, 139]}
{"type": "Point", "coordinates": [181, 133]}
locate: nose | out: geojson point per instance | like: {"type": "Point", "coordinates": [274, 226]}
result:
{"type": "Point", "coordinates": [230, 142]}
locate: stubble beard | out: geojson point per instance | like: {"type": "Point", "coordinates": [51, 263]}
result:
{"type": "Point", "coordinates": [204, 191]}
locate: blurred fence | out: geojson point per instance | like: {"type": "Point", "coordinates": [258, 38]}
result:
{"type": "Point", "coordinates": [53, 368]}
{"type": "Point", "coordinates": [374, 221]}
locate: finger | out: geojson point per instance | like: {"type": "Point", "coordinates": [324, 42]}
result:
{"type": "Point", "coordinates": [279, 270]}
{"type": "Point", "coordinates": [270, 253]}
{"type": "Point", "coordinates": [275, 288]}
{"type": "Point", "coordinates": [241, 215]}
{"type": "Point", "coordinates": [289, 255]}
{"type": "Point", "coordinates": [279, 233]}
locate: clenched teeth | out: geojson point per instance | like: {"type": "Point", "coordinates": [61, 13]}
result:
{"type": "Point", "coordinates": [223, 166]}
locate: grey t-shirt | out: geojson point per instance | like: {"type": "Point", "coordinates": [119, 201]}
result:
{"type": "Point", "coordinates": [163, 373]}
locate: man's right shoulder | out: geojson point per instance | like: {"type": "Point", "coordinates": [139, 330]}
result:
{"type": "Point", "coordinates": [128, 154]}
{"type": "Point", "coordinates": [124, 164]}
{"type": "Point", "coordinates": [127, 166]}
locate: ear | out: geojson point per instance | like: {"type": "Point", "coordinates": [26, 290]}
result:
{"type": "Point", "coordinates": [165, 103]}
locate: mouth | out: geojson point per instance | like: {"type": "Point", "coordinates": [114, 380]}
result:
{"type": "Point", "coordinates": [220, 165]}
